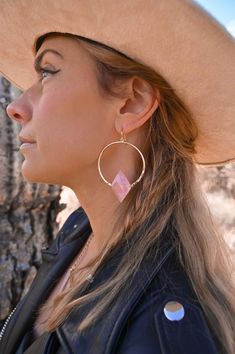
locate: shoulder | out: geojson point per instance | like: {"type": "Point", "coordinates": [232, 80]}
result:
{"type": "Point", "coordinates": [169, 318]}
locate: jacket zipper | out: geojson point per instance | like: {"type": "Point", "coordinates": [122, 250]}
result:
{"type": "Point", "coordinates": [6, 323]}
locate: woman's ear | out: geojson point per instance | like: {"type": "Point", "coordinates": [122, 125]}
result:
{"type": "Point", "coordinates": [139, 104]}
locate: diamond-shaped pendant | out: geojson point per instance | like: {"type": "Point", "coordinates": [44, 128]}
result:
{"type": "Point", "coordinates": [121, 186]}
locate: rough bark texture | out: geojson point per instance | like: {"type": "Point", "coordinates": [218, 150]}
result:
{"type": "Point", "coordinates": [28, 213]}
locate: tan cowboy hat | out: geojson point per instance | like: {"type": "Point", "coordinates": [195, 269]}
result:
{"type": "Point", "coordinates": [177, 38]}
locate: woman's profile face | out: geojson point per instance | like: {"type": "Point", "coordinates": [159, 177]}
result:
{"type": "Point", "coordinates": [65, 114]}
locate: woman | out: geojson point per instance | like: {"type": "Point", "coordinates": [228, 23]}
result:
{"type": "Point", "coordinates": [139, 267]}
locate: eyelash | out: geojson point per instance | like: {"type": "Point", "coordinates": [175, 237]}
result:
{"type": "Point", "coordinates": [41, 70]}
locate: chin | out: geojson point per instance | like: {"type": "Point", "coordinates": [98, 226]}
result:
{"type": "Point", "coordinates": [33, 175]}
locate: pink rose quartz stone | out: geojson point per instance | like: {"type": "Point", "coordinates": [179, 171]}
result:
{"type": "Point", "coordinates": [121, 186]}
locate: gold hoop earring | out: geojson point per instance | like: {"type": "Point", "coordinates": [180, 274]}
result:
{"type": "Point", "coordinates": [120, 185]}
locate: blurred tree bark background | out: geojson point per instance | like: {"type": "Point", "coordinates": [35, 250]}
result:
{"type": "Point", "coordinates": [28, 213]}
{"type": "Point", "coordinates": [218, 184]}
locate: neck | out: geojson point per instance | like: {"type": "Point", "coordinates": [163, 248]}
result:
{"type": "Point", "coordinates": [102, 209]}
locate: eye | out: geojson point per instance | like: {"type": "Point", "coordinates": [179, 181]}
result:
{"type": "Point", "coordinates": [42, 71]}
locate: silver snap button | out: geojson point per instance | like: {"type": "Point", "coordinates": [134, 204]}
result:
{"type": "Point", "coordinates": [174, 311]}
{"type": "Point", "coordinates": [74, 226]}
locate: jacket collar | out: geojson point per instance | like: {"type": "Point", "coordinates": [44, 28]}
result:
{"type": "Point", "coordinates": [55, 260]}
{"type": "Point", "coordinates": [75, 226]}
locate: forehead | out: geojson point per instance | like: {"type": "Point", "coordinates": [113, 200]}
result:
{"type": "Point", "coordinates": [70, 51]}
{"type": "Point", "coordinates": [59, 42]}
{"type": "Point", "coordinates": [70, 54]}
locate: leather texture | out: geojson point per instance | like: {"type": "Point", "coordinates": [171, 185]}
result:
{"type": "Point", "coordinates": [136, 323]}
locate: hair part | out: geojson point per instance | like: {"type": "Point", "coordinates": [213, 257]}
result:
{"type": "Point", "coordinates": [169, 193]}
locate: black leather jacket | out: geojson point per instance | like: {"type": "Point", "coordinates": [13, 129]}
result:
{"type": "Point", "coordinates": [137, 324]}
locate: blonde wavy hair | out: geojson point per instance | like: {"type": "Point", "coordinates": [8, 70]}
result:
{"type": "Point", "coordinates": [170, 190]}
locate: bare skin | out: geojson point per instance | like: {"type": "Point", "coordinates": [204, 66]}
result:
{"type": "Point", "coordinates": [71, 121]}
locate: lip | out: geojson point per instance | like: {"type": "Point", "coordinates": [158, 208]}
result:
{"type": "Point", "coordinates": [27, 146]}
{"type": "Point", "coordinates": [26, 140]}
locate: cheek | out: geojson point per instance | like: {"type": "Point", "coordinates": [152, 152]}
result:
{"type": "Point", "coordinates": [71, 125]}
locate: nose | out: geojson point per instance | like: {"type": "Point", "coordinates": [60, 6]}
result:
{"type": "Point", "coordinates": [18, 110]}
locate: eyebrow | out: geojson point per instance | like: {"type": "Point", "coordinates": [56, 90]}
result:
{"type": "Point", "coordinates": [38, 59]}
